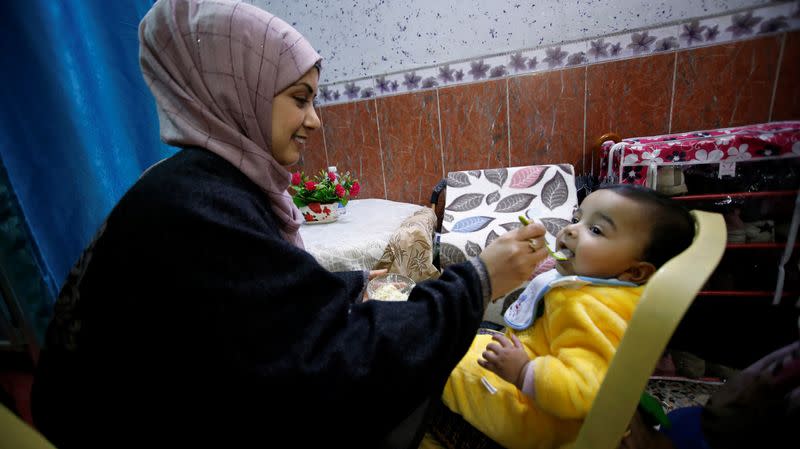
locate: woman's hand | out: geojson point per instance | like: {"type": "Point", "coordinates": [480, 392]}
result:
{"type": "Point", "coordinates": [510, 259]}
{"type": "Point", "coordinates": [506, 358]}
{"type": "Point", "coordinates": [375, 273]}
{"type": "Point", "coordinates": [372, 275]}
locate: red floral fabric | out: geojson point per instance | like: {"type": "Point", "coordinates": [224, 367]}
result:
{"type": "Point", "coordinates": [637, 155]}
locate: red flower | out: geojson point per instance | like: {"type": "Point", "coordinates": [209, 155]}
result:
{"type": "Point", "coordinates": [340, 191]}
{"type": "Point", "coordinates": [311, 185]}
{"type": "Point", "coordinates": [355, 189]}
{"type": "Point", "coordinates": [315, 208]}
{"type": "Point", "coordinates": [296, 179]}
{"type": "Point", "coordinates": [332, 176]}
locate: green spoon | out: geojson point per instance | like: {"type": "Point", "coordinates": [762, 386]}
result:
{"type": "Point", "coordinates": [557, 255]}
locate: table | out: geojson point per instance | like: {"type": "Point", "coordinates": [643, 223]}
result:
{"type": "Point", "coordinates": [356, 240]}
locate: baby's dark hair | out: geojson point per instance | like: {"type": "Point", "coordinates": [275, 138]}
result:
{"type": "Point", "coordinates": [673, 225]}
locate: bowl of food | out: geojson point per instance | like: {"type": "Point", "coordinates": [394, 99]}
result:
{"type": "Point", "coordinates": [390, 287]}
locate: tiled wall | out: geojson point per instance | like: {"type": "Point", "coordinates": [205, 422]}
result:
{"type": "Point", "coordinates": [399, 146]}
{"type": "Point", "coordinates": [374, 38]}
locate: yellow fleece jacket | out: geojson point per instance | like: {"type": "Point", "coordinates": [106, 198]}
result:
{"type": "Point", "coordinates": [570, 345]}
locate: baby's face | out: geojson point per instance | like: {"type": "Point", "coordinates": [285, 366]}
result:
{"type": "Point", "coordinates": [608, 235]}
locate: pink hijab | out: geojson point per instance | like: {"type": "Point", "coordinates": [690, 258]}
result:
{"type": "Point", "coordinates": [214, 67]}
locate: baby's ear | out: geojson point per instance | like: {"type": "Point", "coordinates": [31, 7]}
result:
{"type": "Point", "coordinates": [638, 273]}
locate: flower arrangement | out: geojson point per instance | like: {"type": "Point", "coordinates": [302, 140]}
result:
{"type": "Point", "coordinates": [324, 188]}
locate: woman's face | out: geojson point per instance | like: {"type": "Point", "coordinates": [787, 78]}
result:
{"type": "Point", "coordinates": [293, 117]}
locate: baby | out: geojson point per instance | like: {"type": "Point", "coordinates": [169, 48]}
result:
{"type": "Point", "coordinates": [533, 387]}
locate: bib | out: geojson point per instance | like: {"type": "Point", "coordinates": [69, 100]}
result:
{"type": "Point", "coordinates": [529, 306]}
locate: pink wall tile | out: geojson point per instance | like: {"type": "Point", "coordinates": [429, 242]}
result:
{"type": "Point", "coordinates": [541, 116]}
{"type": "Point", "coordinates": [412, 150]}
{"type": "Point", "coordinates": [787, 95]}
{"type": "Point", "coordinates": [725, 85]}
{"type": "Point", "coordinates": [351, 137]}
{"type": "Point", "coordinates": [474, 126]}
{"type": "Point", "coordinates": [629, 97]}
{"type": "Point", "coordinates": [546, 112]}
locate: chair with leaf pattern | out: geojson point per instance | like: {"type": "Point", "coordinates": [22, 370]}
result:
{"type": "Point", "coordinates": [481, 205]}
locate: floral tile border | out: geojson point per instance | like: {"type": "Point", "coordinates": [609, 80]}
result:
{"type": "Point", "coordinates": [693, 33]}
{"type": "Point", "coordinates": [743, 25]}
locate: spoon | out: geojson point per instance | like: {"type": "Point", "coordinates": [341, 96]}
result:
{"type": "Point", "coordinates": [557, 255]}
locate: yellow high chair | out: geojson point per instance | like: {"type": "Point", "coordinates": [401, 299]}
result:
{"type": "Point", "coordinates": [17, 434]}
{"type": "Point", "coordinates": [665, 300]}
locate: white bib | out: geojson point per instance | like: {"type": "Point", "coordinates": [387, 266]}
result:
{"type": "Point", "coordinates": [529, 306]}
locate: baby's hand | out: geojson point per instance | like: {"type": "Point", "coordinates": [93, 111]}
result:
{"type": "Point", "coordinates": [506, 358]}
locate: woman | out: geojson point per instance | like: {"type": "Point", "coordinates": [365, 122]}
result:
{"type": "Point", "coordinates": [196, 302]}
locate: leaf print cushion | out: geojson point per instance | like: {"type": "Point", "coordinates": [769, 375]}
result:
{"type": "Point", "coordinates": [482, 205]}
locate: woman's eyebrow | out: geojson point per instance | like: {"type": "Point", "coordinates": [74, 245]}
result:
{"type": "Point", "coordinates": [307, 86]}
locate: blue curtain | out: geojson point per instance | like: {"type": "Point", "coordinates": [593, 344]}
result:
{"type": "Point", "coordinates": [78, 125]}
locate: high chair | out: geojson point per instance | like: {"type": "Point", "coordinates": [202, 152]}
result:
{"type": "Point", "coordinates": [666, 298]}
{"type": "Point", "coordinates": [18, 434]}
{"type": "Point", "coordinates": [664, 301]}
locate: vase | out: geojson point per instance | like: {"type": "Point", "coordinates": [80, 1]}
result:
{"type": "Point", "coordinates": [320, 212]}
